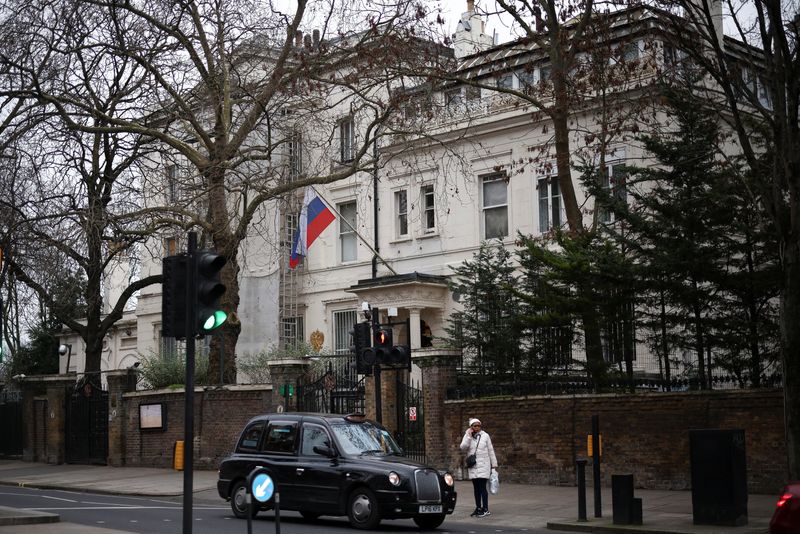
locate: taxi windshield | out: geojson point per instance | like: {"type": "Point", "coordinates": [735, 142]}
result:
{"type": "Point", "coordinates": [365, 438]}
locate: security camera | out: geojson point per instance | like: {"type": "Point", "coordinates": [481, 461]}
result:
{"type": "Point", "coordinates": [62, 350]}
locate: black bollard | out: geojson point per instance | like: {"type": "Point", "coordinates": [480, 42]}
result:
{"type": "Point", "coordinates": [598, 505]}
{"type": "Point", "coordinates": [581, 489]}
{"type": "Point", "coordinates": [277, 513]}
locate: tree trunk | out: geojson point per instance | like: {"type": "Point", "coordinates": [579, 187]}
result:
{"type": "Point", "coordinates": [790, 349]}
{"type": "Point", "coordinates": [225, 243]}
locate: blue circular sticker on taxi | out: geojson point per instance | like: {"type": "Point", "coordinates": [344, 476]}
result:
{"type": "Point", "coordinates": [262, 487]}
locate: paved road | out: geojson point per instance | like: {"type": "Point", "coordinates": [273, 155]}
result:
{"type": "Point", "coordinates": [211, 516]}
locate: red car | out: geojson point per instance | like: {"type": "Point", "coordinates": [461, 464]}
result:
{"type": "Point", "coordinates": [786, 519]}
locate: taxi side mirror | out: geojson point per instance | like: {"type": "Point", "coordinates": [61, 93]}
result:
{"type": "Point", "coordinates": [324, 450]}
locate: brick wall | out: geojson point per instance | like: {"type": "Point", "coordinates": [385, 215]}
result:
{"type": "Point", "coordinates": [538, 439]}
{"type": "Point", "coordinates": [219, 416]}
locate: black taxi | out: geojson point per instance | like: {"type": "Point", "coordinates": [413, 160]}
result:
{"type": "Point", "coordinates": [327, 464]}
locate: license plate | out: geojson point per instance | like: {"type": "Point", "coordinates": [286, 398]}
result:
{"type": "Point", "coordinates": [430, 508]}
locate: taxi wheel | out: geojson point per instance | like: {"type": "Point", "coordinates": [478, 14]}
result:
{"type": "Point", "coordinates": [362, 509]}
{"type": "Point", "coordinates": [239, 501]}
{"type": "Point", "coordinates": [429, 522]}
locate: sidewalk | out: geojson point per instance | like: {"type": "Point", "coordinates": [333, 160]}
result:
{"type": "Point", "coordinates": [516, 506]}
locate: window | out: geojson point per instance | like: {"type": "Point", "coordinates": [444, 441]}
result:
{"type": "Point", "coordinates": [473, 93]}
{"type": "Point", "coordinates": [505, 81]}
{"type": "Point", "coordinates": [549, 202]}
{"type": "Point", "coordinates": [294, 146]}
{"type": "Point", "coordinates": [313, 436]}
{"type": "Point", "coordinates": [627, 53]}
{"type": "Point", "coordinates": [613, 180]}
{"type": "Point", "coordinates": [495, 206]}
{"type": "Point", "coordinates": [251, 436]}
{"type": "Point", "coordinates": [401, 213]}
{"type": "Point", "coordinates": [526, 79]}
{"type": "Point", "coordinates": [281, 437]}
{"type": "Point", "coordinates": [544, 74]}
{"type": "Point", "coordinates": [453, 97]}
{"type": "Point", "coordinates": [291, 331]}
{"type": "Point", "coordinates": [346, 140]}
{"type": "Point", "coordinates": [172, 183]}
{"type": "Point", "coordinates": [347, 233]}
{"type": "Point", "coordinates": [171, 246]}
{"type": "Point", "coordinates": [343, 323]}
{"type": "Point", "coordinates": [428, 210]}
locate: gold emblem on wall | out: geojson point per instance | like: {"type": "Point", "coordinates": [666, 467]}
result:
{"type": "Point", "coordinates": [317, 340]}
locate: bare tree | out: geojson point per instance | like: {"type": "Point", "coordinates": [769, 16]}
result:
{"type": "Point", "coordinates": [73, 202]}
{"type": "Point", "coordinates": [581, 86]}
{"type": "Point", "coordinates": [225, 85]}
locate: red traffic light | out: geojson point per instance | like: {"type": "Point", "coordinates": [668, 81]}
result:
{"type": "Point", "coordinates": [383, 338]}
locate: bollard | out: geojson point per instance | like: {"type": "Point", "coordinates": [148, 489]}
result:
{"type": "Point", "coordinates": [598, 506]}
{"type": "Point", "coordinates": [277, 513]}
{"type": "Point", "coordinates": [581, 489]}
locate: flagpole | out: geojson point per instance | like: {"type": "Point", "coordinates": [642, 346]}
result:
{"type": "Point", "coordinates": [354, 230]}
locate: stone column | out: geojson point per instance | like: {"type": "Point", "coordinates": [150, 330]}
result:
{"type": "Point", "coordinates": [415, 338]}
{"type": "Point", "coordinates": [439, 367]}
{"type": "Point", "coordinates": [30, 390]}
{"type": "Point", "coordinates": [285, 373]}
{"type": "Point", "coordinates": [119, 382]}
{"type": "Point", "coordinates": [58, 389]}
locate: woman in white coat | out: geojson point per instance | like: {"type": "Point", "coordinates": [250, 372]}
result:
{"type": "Point", "coordinates": [479, 443]}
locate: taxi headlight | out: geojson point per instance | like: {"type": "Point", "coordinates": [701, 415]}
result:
{"type": "Point", "coordinates": [394, 478]}
{"type": "Point", "coordinates": [448, 479]}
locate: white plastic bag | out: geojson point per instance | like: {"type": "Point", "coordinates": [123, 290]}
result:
{"type": "Point", "coordinates": [494, 482]}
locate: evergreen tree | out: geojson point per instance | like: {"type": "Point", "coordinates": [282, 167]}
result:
{"type": "Point", "coordinates": [689, 228]}
{"type": "Point", "coordinates": [486, 328]}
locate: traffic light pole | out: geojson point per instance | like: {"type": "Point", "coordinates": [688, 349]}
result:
{"type": "Point", "coordinates": [377, 371]}
{"type": "Point", "coordinates": [188, 431]}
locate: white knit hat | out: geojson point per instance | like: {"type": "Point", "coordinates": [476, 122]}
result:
{"type": "Point", "coordinates": [474, 420]}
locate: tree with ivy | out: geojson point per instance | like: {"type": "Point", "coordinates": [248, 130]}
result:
{"type": "Point", "coordinates": [486, 328]}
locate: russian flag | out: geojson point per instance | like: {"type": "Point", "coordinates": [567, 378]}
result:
{"type": "Point", "coordinates": [314, 218]}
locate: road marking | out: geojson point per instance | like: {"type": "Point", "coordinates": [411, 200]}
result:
{"type": "Point", "coordinates": [124, 508]}
{"type": "Point", "coordinates": [57, 498]}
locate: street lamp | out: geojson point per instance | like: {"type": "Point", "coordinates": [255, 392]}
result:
{"type": "Point", "coordinates": [63, 350]}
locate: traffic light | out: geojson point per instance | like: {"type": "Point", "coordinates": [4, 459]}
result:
{"type": "Point", "coordinates": [209, 290]}
{"type": "Point", "coordinates": [173, 296]}
{"type": "Point", "coordinates": [400, 357]}
{"type": "Point", "coordinates": [383, 344]}
{"type": "Point", "coordinates": [361, 342]}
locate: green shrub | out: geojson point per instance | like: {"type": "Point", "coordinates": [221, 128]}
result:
{"type": "Point", "coordinates": [256, 365]}
{"type": "Point", "coordinates": [159, 372]}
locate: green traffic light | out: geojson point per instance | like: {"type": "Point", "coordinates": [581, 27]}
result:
{"type": "Point", "coordinates": [215, 321]}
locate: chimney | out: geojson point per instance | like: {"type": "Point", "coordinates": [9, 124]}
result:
{"type": "Point", "coordinates": [470, 36]}
{"type": "Point", "coordinates": [298, 38]}
{"type": "Point", "coordinates": [316, 39]}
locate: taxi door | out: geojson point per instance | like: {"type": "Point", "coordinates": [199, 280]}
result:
{"type": "Point", "coordinates": [318, 477]}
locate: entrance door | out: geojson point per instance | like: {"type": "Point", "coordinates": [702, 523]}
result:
{"type": "Point", "coordinates": [87, 425]}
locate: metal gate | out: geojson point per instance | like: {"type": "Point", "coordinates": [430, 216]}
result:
{"type": "Point", "coordinates": [10, 423]}
{"type": "Point", "coordinates": [410, 422]}
{"type": "Point", "coordinates": [87, 424]}
{"type": "Point", "coordinates": [336, 388]}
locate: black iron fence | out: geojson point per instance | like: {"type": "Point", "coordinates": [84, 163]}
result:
{"type": "Point", "coordinates": [410, 420]}
{"type": "Point", "coordinates": [646, 369]}
{"type": "Point", "coordinates": [335, 387]}
{"type": "Point", "coordinates": [11, 423]}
